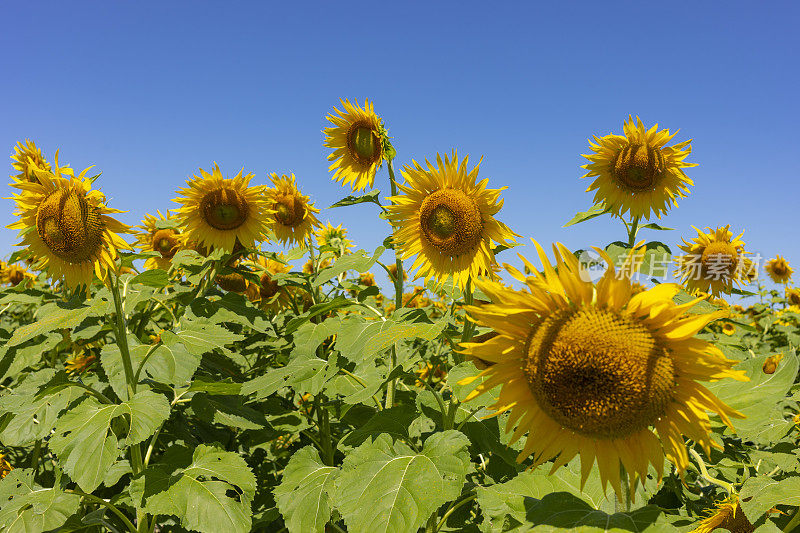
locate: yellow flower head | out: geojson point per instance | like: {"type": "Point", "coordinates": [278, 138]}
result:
{"type": "Point", "coordinates": [636, 173]}
{"type": "Point", "coordinates": [728, 328]}
{"type": "Point", "coordinates": [727, 514]}
{"type": "Point", "coordinates": [447, 219]}
{"type": "Point", "coordinates": [5, 466]}
{"type": "Point", "coordinates": [82, 358]}
{"type": "Point", "coordinates": [65, 224]}
{"type": "Point", "coordinates": [271, 296]}
{"type": "Point", "coordinates": [392, 268]}
{"type": "Point", "coordinates": [218, 211]}
{"type": "Point", "coordinates": [308, 266]}
{"type": "Point", "coordinates": [26, 159]}
{"type": "Point", "coordinates": [157, 236]}
{"type": "Point", "coordinates": [358, 140]}
{"type": "Point", "coordinates": [335, 237]}
{"type": "Point", "coordinates": [13, 274]}
{"type": "Point", "coordinates": [771, 363]}
{"type": "Point", "coordinates": [366, 279]}
{"type": "Point", "coordinates": [779, 270]}
{"type": "Point", "coordinates": [714, 262]}
{"type": "Point", "coordinates": [590, 370]}
{"type": "Point", "coordinates": [294, 218]}
{"type": "Point", "coordinates": [793, 295]}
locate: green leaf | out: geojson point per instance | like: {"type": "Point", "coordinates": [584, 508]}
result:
{"type": "Point", "coordinates": [756, 398]}
{"type": "Point", "coordinates": [400, 488]}
{"type": "Point", "coordinates": [266, 384]}
{"type": "Point", "coordinates": [653, 225]}
{"type": "Point", "coordinates": [358, 261]}
{"type": "Point", "coordinates": [14, 359]}
{"type": "Point", "coordinates": [759, 494]}
{"type": "Point", "coordinates": [228, 411]}
{"type": "Point", "coordinates": [58, 316]}
{"type": "Point", "coordinates": [85, 444]}
{"type": "Point", "coordinates": [594, 211]}
{"type": "Point", "coordinates": [201, 336]}
{"type": "Point", "coordinates": [372, 196]}
{"type": "Point", "coordinates": [27, 507]}
{"type": "Point", "coordinates": [152, 278]}
{"type": "Point", "coordinates": [303, 493]}
{"type": "Point", "coordinates": [358, 339]}
{"type": "Point", "coordinates": [208, 491]}
{"type": "Point", "coordinates": [394, 421]}
{"type": "Point", "coordinates": [215, 387]}
{"type": "Point", "coordinates": [315, 310]}
{"type": "Point", "coordinates": [30, 417]}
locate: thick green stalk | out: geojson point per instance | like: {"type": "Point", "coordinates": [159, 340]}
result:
{"type": "Point", "coordinates": [398, 296]}
{"type": "Point", "coordinates": [632, 230]}
{"type": "Point", "coordinates": [137, 465]}
{"type": "Point", "coordinates": [793, 523]}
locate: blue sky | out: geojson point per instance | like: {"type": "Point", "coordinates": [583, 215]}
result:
{"type": "Point", "coordinates": [150, 91]}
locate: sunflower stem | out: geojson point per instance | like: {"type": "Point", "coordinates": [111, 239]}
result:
{"type": "Point", "coordinates": [398, 295]}
{"type": "Point", "coordinates": [705, 475]}
{"type": "Point", "coordinates": [122, 342]}
{"type": "Point", "coordinates": [632, 231]}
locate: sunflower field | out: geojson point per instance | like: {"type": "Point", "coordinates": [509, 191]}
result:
{"type": "Point", "coordinates": [232, 364]}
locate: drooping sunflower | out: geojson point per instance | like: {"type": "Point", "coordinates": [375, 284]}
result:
{"type": "Point", "coordinates": [27, 158]}
{"type": "Point", "coordinates": [359, 141]}
{"type": "Point", "coordinates": [793, 295]}
{"type": "Point", "coordinates": [158, 236]}
{"type": "Point", "coordinates": [714, 262]}
{"type": "Point", "coordinates": [64, 223]}
{"type": "Point", "coordinates": [727, 514]}
{"type": "Point", "coordinates": [294, 218]}
{"type": "Point", "coordinates": [636, 173]}
{"type": "Point", "coordinates": [779, 270]}
{"type": "Point", "coordinates": [447, 219]}
{"type": "Point", "coordinates": [13, 274]}
{"type": "Point", "coordinates": [335, 237]}
{"type": "Point", "coordinates": [268, 293]}
{"type": "Point", "coordinates": [218, 211]}
{"type": "Point", "coordinates": [589, 369]}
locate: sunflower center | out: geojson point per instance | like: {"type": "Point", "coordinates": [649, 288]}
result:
{"type": "Point", "coordinates": [268, 288]}
{"type": "Point", "coordinates": [233, 282]}
{"type": "Point", "coordinates": [289, 211]}
{"type": "Point", "coordinates": [69, 226]}
{"type": "Point", "coordinates": [364, 144]}
{"type": "Point", "coordinates": [224, 209]}
{"type": "Point", "coordinates": [16, 277]}
{"type": "Point", "coordinates": [451, 221]}
{"type": "Point", "coordinates": [794, 298]}
{"type": "Point", "coordinates": [598, 373]}
{"type": "Point", "coordinates": [719, 259]}
{"type": "Point", "coordinates": [638, 167]}
{"type": "Point", "coordinates": [779, 269]}
{"type": "Point", "coordinates": [165, 241]}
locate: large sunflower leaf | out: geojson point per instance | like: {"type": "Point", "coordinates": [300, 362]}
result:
{"type": "Point", "coordinates": [358, 261]}
{"type": "Point", "coordinates": [87, 446]}
{"type": "Point", "coordinates": [28, 507]}
{"type": "Point", "coordinates": [303, 496]}
{"type": "Point", "coordinates": [759, 494]}
{"type": "Point", "coordinates": [400, 488]}
{"type": "Point", "coordinates": [58, 315]}
{"type": "Point", "coordinates": [595, 211]}
{"type": "Point", "coordinates": [209, 490]}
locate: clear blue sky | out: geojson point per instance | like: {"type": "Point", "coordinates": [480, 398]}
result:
{"type": "Point", "coordinates": [149, 91]}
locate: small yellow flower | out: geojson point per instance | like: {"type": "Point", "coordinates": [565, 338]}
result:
{"type": "Point", "coordinates": [13, 274]}
{"type": "Point", "coordinates": [728, 328]}
{"type": "Point", "coordinates": [636, 172]}
{"type": "Point", "coordinates": [359, 141]}
{"type": "Point", "coordinates": [728, 515]}
{"type": "Point", "coordinates": [779, 270]}
{"type": "Point", "coordinates": [335, 237]}
{"type": "Point", "coordinates": [714, 262]}
{"type": "Point", "coordinates": [294, 218]}
{"type": "Point", "coordinates": [366, 279]}
{"type": "Point", "coordinates": [5, 466]}
{"type": "Point", "coordinates": [164, 240]}
{"type": "Point", "coordinates": [80, 361]}
{"type": "Point", "coordinates": [308, 266]}
{"type": "Point", "coordinates": [771, 363]}
{"type": "Point", "coordinates": [27, 158]}
{"type": "Point", "coordinates": [428, 372]}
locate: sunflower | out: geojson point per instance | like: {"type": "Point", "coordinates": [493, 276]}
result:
{"type": "Point", "coordinates": [5, 466]}
{"type": "Point", "coordinates": [779, 270]}
{"type": "Point", "coordinates": [793, 295]}
{"type": "Point", "coordinates": [771, 363]}
{"type": "Point", "coordinates": [588, 369]}
{"type": "Point", "coordinates": [392, 268]}
{"type": "Point", "coordinates": [27, 158]}
{"type": "Point", "coordinates": [714, 262]}
{"type": "Point", "coordinates": [367, 279]}
{"type": "Point", "coordinates": [335, 237]}
{"type": "Point", "coordinates": [359, 143]}
{"type": "Point", "coordinates": [14, 274]}
{"type": "Point", "coordinates": [157, 236]}
{"type": "Point", "coordinates": [217, 211]}
{"type": "Point", "coordinates": [65, 224]}
{"type": "Point", "coordinates": [728, 328]}
{"type": "Point", "coordinates": [636, 173]}
{"type": "Point", "coordinates": [727, 514]}
{"type": "Point", "coordinates": [294, 218]}
{"type": "Point", "coordinates": [308, 266]}
{"type": "Point", "coordinates": [268, 292]}
{"type": "Point", "coordinates": [447, 220]}
{"type": "Point", "coordinates": [80, 362]}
